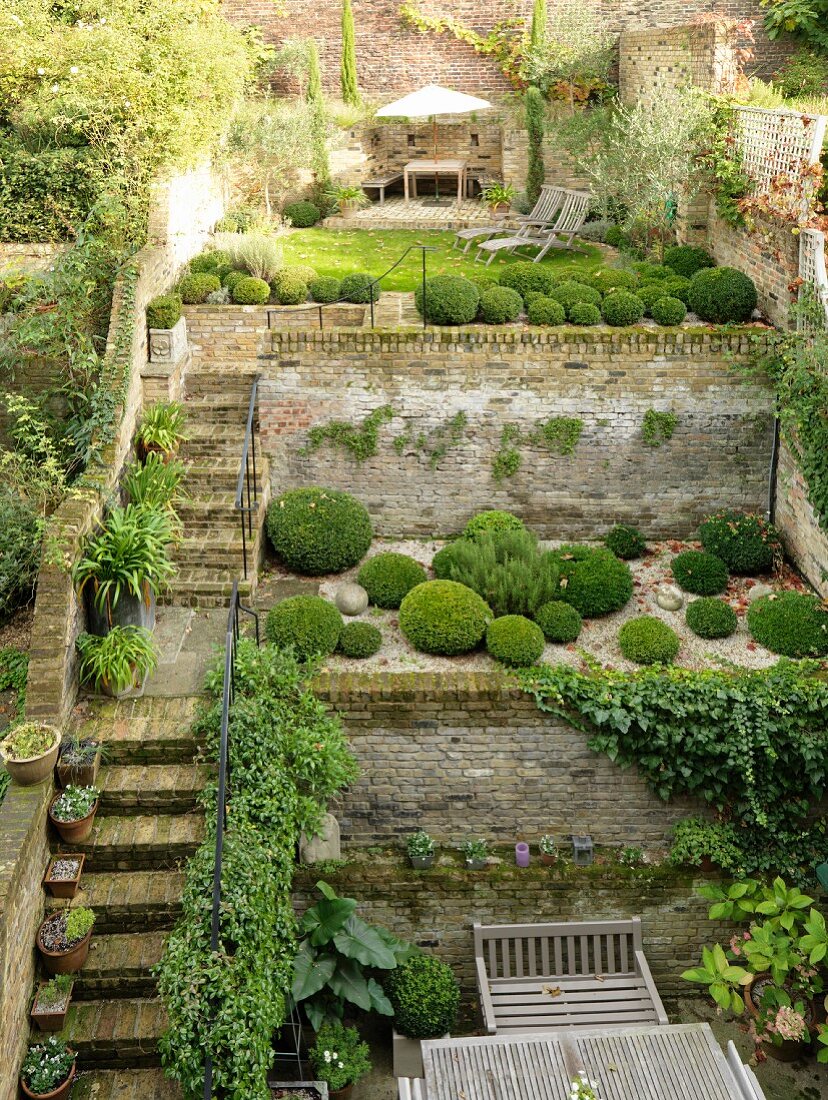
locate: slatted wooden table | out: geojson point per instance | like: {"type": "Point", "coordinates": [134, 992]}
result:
{"type": "Point", "coordinates": [677, 1062]}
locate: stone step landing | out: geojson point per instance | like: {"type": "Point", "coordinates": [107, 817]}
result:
{"type": "Point", "coordinates": [136, 901]}
{"type": "Point", "coordinates": [126, 1084]}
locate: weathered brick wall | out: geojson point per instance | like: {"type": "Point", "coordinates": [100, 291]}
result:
{"type": "Point", "coordinates": [805, 540]}
{"type": "Point", "coordinates": [468, 754]}
{"type": "Point", "coordinates": [27, 257]}
{"type": "Point", "coordinates": [718, 456]}
{"type": "Point", "coordinates": [655, 57]}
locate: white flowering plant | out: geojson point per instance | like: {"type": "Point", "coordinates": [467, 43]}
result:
{"type": "Point", "coordinates": [339, 1056]}
{"type": "Point", "coordinates": [47, 1065]}
{"type": "Point", "coordinates": [582, 1088]}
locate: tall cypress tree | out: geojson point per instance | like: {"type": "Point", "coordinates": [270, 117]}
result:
{"type": "Point", "coordinates": [535, 119]}
{"type": "Point", "coordinates": [348, 71]}
{"type": "Point", "coordinates": [314, 92]}
{"type": "Point", "coordinates": [538, 31]}
{"type": "Point", "coordinates": [319, 129]}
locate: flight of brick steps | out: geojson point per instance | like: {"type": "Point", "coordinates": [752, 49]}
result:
{"type": "Point", "coordinates": [148, 825]}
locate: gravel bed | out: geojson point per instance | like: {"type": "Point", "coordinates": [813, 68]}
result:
{"type": "Point", "coordinates": [53, 934]}
{"type": "Point", "coordinates": [63, 869]}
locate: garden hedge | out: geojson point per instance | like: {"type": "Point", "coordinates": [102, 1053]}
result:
{"type": "Point", "coordinates": [668, 311]}
{"type": "Point", "coordinates": [302, 214]}
{"type": "Point", "coordinates": [584, 313]}
{"type": "Point", "coordinates": [686, 260]}
{"type": "Point", "coordinates": [425, 997]}
{"type": "Point", "coordinates": [545, 311]}
{"type": "Point", "coordinates": [325, 288]}
{"type": "Point", "coordinates": [449, 300]}
{"type": "Point", "coordinates": [622, 307]}
{"type": "Point", "coordinates": [625, 541]}
{"type": "Point", "coordinates": [359, 288]}
{"type": "Point", "coordinates": [316, 530]}
{"type": "Point", "coordinates": [526, 277]}
{"type": "Point", "coordinates": [194, 289]}
{"type": "Point", "coordinates": [251, 292]}
{"type": "Point", "coordinates": [722, 295]}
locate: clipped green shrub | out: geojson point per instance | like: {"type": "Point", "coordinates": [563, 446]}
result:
{"type": "Point", "coordinates": [359, 288]}
{"type": "Point", "coordinates": [514, 641]}
{"type": "Point", "coordinates": [308, 625]}
{"type": "Point", "coordinates": [686, 260]}
{"type": "Point", "coordinates": [290, 289]}
{"type": "Point", "coordinates": [622, 307]}
{"type": "Point", "coordinates": [559, 621]}
{"type": "Point", "coordinates": [649, 272]}
{"type": "Point", "coordinates": [746, 543]}
{"type": "Point", "coordinates": [209, 262]}
{"type": "Point", "coordinates": [570, 292]}
{"type": "Point", "coordinates": [388, 578]}
{"type": "Point", "coordinates": [545, 311]}
{"type": "Point", "coordinates": [359, 640]}
{"type": "Point", "coordinates": [425, 997]}
{"type": "Point", "coordinates": [251, 292]}
{"type": "Point", "coordinates": [19, 552]}
{"type": "Point", "coordinates": [709, 617]}
{"type": "Point", "coordinates": [444, 617]}
{"type": "Point", "coordinates": [593, 580]}
{"type": "Point", "coordinates": [526, 277]}
{"type": "Point", "coordinates": [677, 287]}
{"type": "Point", "coordinates": [615, 236]}
{"type": "Point", "coordinates": [649, 294]}
{"type": "Point", "coordinates": [791, 624]}
{"type": "Point", "coordinates": [584, 313]}
{"type": "Point", "coordinates": [499, 305]}
{"type": "Point", "coordinates": [493, 520]}
{"type": "Point", "coordinates": [605, 279]}
{"type": "Point", "coordinates": [317, 531]}
{"type": "Point", "coordinates": [164, 311]}
{"type": "Point", "coordinates": [698, 572]}
{"type": "Point", "coordinates": [193, 289]}
{"type": "Point", "coordinates": [302, 214]}
{"type": "Point", "coordinates": [325, 288]}
{"type": "Point", "coordinates": [648, 641]}
{"type": "Point", "coordinates": [232, 278]}
{"type": "Point", "coordinates": [625, 542]}
{"type": "Point", "coordinates": [450, 300]}
{"type": "Point", "coordinates": [722, 295]}
{"type": "Point", "coordinates": [668, 311]}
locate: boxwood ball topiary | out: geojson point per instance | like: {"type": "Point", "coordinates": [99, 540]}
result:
{"type": "Point", "coordinates": [745, 542]}
{"type": "Point", "coordinates": [570, 292]}
{"type": "Point", "coordinates": [722, 295]}
{"type": "Point", "coordinates": [594, 580]}
{"type": "Point", "coordinates": [164, 311]}
{"type": "Point", "coordinates": [791, 624]}
{"type": "Point", "coordinates": [711, 618]}
{"type": "Point", "coordinates": [251, 292]}
{"type": "Point", "coordinates": [615, 236]}
{"type": "Point", "coordinates": [450, 300]}
{"type": "Point", "coordinates": [698, 572]}
{"type": "Point", "coordinates": [622, 307]}
{"type": "Point", "coordinates": [493, 520]}
{"type": "Point", "coordinates": [625, 542]}
{"type": "Point", "coordinates": [302, 214]}
{"type": "Point", "coordinates": [359, 288]}
{"type": "Point", "coordinates": [499, 305]}
{"type": "Point", "coordinates": [194, 289]}
{"type": "Point", "coordinates": [584, 313]}
{"type": "Point", "coordinates": [316, 531]}
{"type": "Point", "coordinates": [388, 578]}
{"type": "Point", "coordinates": [649, 294]}
{"type": "Point", "coordinates": [325, 288]}
{"type": "Point", "coordinates": [289, 288]}
{"type": "Point", "coordinates": [605, 279]}
{"type": "Point", "coordinates": [425, 997]}
{"type": "Point", "coordinates": [669, 311]}
{"type": "Point", "coordinates": [514, 641]}
{"type": "Point", "coordinates": [648, 272]}
{"type": "Point", "coordinates": [525, 277]}
{"type": "Point", "coordinates": [232, 278]}
{"type": "Point", "coordinates": [545, 311]}
{"type": "Point", "coordinates": [677, 287]}
{"type": "Point", "coordinates": [648, 641]}
{"type": "Point", "coordinates": [210, 261]}
{"type": "Point", "coordinates": [444, 617]}
{"type": "Point", "coordinates": [559, 621]}
{"type": "Point", "coordinates": [308, 624]}
{"type": "Point", "coordinates": [359, 640]}
{"type": "Point", "coordinates": [686, 260]}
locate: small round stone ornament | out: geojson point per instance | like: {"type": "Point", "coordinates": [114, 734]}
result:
{"type": "Point", "coordinates": [669, 597]}
{"type": "Point", "coordinates": [351, 599]}
{"type": "Point", "coordinates": [758, 591]}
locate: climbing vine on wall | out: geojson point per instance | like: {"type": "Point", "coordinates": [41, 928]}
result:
{"type": "Point", "coordinates": [558, 434]}
{"type": "Point", "coordinates": [436, 444]}
{"type": "Point", "coordinates": [360, 441]}
{"type": "Point", "coordinates": [505, 43]}
{"type": "Point", "coordinates": [658, 427]}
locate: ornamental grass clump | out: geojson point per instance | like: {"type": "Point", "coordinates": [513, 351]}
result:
{"type": "Point", "coordinates": [359, 640]}
{"type": "Point", "coordinates": [593, 580]}
{"type": "Point", "coordinates": [449, 300]}
{"type": "Point", "coordinates": [426, 997]}
{"type": "Point", "coordinates": [118, 660]}
{"type": "Point", "coordinates": [308, 625]}
{"type": "Point", "coordinates": [648, 641]}
{"type": "Point", "coordinates": [791, 624]}
{"type": "Point", "coordinates": [745, 542]}
{"type": "Point", "coordinates": [698, 572]}
{"type": "Point", "coordinates": [711, 618]}
{"type": "Point", "coordinates": [444, 617]}
{"type": "Point", "coordinates": [559, 621]}
{"type": "Point", "coordinates": [625, 541]}
{"type": "Point", "coordinates": [389, 577]}
{"type": "Point", "coordinates": [514, 641]}
{"type": "Point", "coordinates": [316, 531]}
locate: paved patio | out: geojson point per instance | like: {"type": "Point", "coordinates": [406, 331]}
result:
{"type": "Point", "coordinates": [419, 213]}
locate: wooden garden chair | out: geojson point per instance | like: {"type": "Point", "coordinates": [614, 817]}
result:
{"type": "Point", "coordinates": [558, 233]}
{"type": "Point", "coordinates": [549, 200]}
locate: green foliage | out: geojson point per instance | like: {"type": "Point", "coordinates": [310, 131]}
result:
{"type": "Point", "coordinates": [526, 277]}
{"type": "Point", "coordinates": [791, 624]}
{"type": "Point", "coordinates": [698, 572]}
{"type": "Point", "coordinates": [686, 260]}
{"type": "Point", "coordinates": [584, 313]}
{"type": "Point", "coordinates": [658, 427]}
{"type": "Point", "coordinates": [545, 311]}
{"type": "Point", "coordinates": [193, 289]}
{"type": "Point", "coordinates": [559, 434]}
{"type": "Point", "coordinates": [537, 32]}
{"type": "Point", "coordinates": [806, 20]}
{"type": "Point", "coordinates": [308, 625]}
{"type": "Point", "coordinates": [648, 641]}
{"type": "Point", "coordinates": [804, 73]}
{"type": "Point", "coordinates": [164, 311]}
{"type": "Point", "coordinates": [745, 542]}
{"type": "Point", "coordinates": [156, 484]}
{"type": "Point", "coordinates": [514, 641]}
{"type": "Point", "coordinates": [593, 580]}
{"type": "Point", "coordinates": [668, 311]}
{"type": "Point", "coordinates": [302, 214]}
{"type": "Point", "coordinates": [449, 300]}
{"type": "Point", "coordinates": [625, 542]}
{"type": "Point", "coordinates": [359, 640]}
{"type": "Point", "coordinates": [499, 305]}
{"type": "Point", "coordinates": [505, 568]}
{"type": "Point", "coordinates": [118, 660]}
{"type": "Point", "coordinates": [318, 531]}
{"type": "Point", "coordinates": [74, 803]}
{"type": "Point", "coordinates": [352, 1061]}
{"type": "Point", "coordinates": [324, 288]}
{"type": "Point", "coordinates": [622, 307]}
{"type": "Point", "coordinates": [359, 288]}
{"type": "Point", "coordinates": [649, 294]}
{"type": "Point", "coordinates": [535, 126]}
{"type": "Point", "coordinates": [360, 442]}
{"type": "Point", "coordinates": [570, 292]}
{"type": "Point", "coordinates": [162, 427]}
{"type": "Point", "coordinates": [437, 443]}
{"type": "Point", "coordinates": [253, 292]}
{"type": "Point", "coordinates": [28, 739]}
{"type": "Point", "coordinates": [388, 578]}
{"type": "Point", "coordinates": [20, 534]}
{"type": "Point", "coordinates": [722, 295]}
{"type": "Point", "coordinates": [14, 668]}
{"type": "Point", "coordinates": [711, 618]}
{"type": "Point", "coordinates": [649, 272]}
{"type": "Point", "coordinates": [491, 521]}
{"type": "Point", "coordinates": [348, 69]}
{"type": "Point", "coordinates": [232, 278]}
{"type": "Point", "coordinates": [559, 622]}
{"type": "Point", "coordinates": [444, 617]}
{"type": "Point", "coordinates": [320, 164]}
{"type": "Point", "coordinates": [425, 996]}
{"type": "Point", "coordinates": [44, 192]}
{"type": "Point", "coordinates": [606, 279]}
{"type": "Point", "coordinates": [507, 460]}
{"type": "Point", "coordinates": [47, 1065]}
{"type": "Point", "coordinates": [290, 289]}
{"type": "Point", "coordinates": [695, 839]}
{"type": "Point", "coordinates": [210, 262]}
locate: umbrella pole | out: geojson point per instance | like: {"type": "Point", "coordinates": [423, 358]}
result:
{"type": "Point", "coordinates": [436, 174]}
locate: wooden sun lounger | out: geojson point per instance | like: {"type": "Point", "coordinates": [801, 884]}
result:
{"type": "Point", "coordinates": [544, 210]}
{"type": "Point", "coordinates": [546, 234]}
{"type": "Point", "coordinates": [546, 977]}
{"type": "Point", "coordinates": [745, 1077]}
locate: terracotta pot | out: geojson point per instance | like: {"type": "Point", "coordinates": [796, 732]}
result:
{"type": "Point", "coordinates": [144, 449]}
{"type": "Point", "coordinates": [789, 1050]}
{"type": "Point", "coordinates": [347, 209]}
{"type": "Point", "coordinates": [475, 864]}
{"type": "Point", "coordinates": [79, 775]}
{"type": "Point", "coordinates": [757, 982]}
{"type": "Point", "coordinates": [56, 1094]}
{"type": "Point", "coordinates": [73, 832]}
{"type": "Point", "coordinates": [50, 1021]}
{"type": "Point", "coordinates": [64, 887]}
{"type": "Point", "coordinates": [707, 865]}
{"type": "Point", "coordinates": [342, 1094]}
{"type": "Point", "coordinates": [64, 962]}
{"type": "Point", "coordinates": [500, 208]}
{"type": "Point", "coordinates": [35, 768]}
{"type": "Point", "coordinates": [547, 860]}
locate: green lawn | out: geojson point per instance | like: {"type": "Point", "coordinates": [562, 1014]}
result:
{"type": "Point", "coordinates": [340, 252]}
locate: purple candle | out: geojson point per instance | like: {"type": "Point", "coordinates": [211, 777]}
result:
{"type": "Point", "coordinates": [522, 854]}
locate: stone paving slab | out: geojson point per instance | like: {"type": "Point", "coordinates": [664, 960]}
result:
{"type": "Point", "coordinates": [140, 900]}
{"type": "Point", "coordinates": [126, 1084]}
{"type": "Point", "coordinates": [142, 842]}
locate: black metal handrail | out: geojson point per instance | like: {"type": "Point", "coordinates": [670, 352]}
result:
{"type": "Point", "coordinates": [228, 694]}
{"type": "Point", "coordinates": [320, 306]}
{"type": "Point", "coordinates": [247, 484]}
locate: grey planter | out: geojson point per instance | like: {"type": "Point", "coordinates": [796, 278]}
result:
{"type": "Point", "coordinates": [422, 863]}
{"type": "Point", "coordinates": [408, 1055]}
{"type": "Point", "coordinates": [129, 611]}
{"type": "Point", "coordinates": [320, 1086]}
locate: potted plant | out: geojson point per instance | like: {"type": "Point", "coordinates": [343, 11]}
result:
{"type": "Point", "coordinates": [706, 845]}
{"type": "Point", "coordinates": [420, 848]}
{"type": "Point", "coordinates": [161, 429]}
{"type": "Point", "coordinates": [79, 761]}
{"type": "Point", "coordinates": [119, 661]}
{"type": "Point", "coordinates": [72, 812]}
{"type": "Point", "coordinates": [548, 850]}
{"type": "Point", "coordinates": [63, 940]}
{"type": "Point", "coordinates": [347, 200]}
{"type": "Point", "coordinates": [498, 197]}
{"type": "Point", "coordinates": [30, 751]}
{"type": "Point", "coordinates": [425, 996]}
{"type": "Point", "coordinates": [156, 484]}
{"type": "Point", "coordinates": [475, 853]}
{"type": "Point", "coordinates": [340, 1058]}
{"type": "Point", "coordinates": [63, 874]}
{"type": "Point", "coordinates": [51, 1003]}
{"type": "Point", "coordinates": [782, 1027]}
{"type": "Point", "coordinates": [298, 1090]}
{"type": "Point", "coordinates": [48, 1070]}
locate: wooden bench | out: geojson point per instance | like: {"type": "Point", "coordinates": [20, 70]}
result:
{"type": "Point", "coordinates": [745, 1077]}
{"type": "Point", "coordinates": [381, 184]}
{"type": "Point", "coordinates": [544, 977]}
{"type": "Point", "coordinates": [411, 1088]}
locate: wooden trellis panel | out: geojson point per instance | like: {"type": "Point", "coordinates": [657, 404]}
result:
{"type": "Point", "coordinates": [813, 272]}
{"type": "Point", "coordinates": [776, 142]}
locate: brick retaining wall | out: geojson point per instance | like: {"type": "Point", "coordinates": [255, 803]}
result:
{"type": "Point", "coordinates": [805, 540]}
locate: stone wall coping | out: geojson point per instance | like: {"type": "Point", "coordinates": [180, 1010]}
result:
{"type": "Point", "coordinates": [21, 810]}
{"type": "Point", "coordinates": [407, 687]}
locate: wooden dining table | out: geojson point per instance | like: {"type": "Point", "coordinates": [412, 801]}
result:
{"type": "Point", "coordinates": [434, 167]}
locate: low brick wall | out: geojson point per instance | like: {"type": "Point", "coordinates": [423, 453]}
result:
{"type": "Point", "coordinates": [27, 257]}
{"type": "Point", "coordinates": [805, 540]}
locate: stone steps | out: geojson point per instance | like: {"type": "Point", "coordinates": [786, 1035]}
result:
{"type": "Point", "coordinates": [116, 1033]}
{"type": "Point", "coordinates": [144, 731]}
{"type": "Point", "coordinates": [140, 788]}
{"type": "Point", "coordinates": [119, 965]}
{"type": "Point", "coordinates": [191, 589]}
{"type": "Point", "coordinates": [137, 901]}
{"type": "Point", "coordinates": [140, 842]}
{"type": "Point", "coordinates": [126, 1084]}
